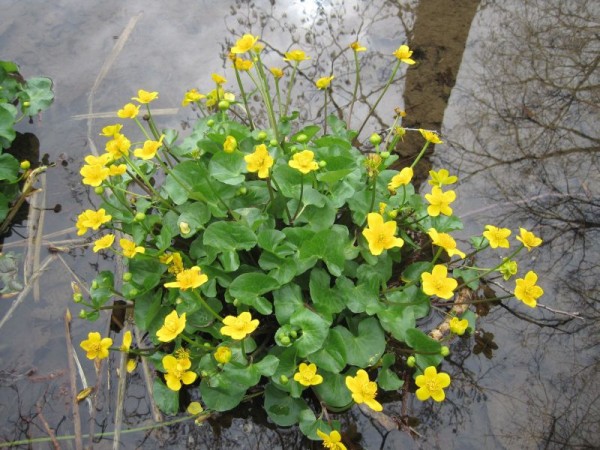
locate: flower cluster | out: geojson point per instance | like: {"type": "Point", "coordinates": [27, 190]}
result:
{"type": "Point", "coordinates": [263, 251]}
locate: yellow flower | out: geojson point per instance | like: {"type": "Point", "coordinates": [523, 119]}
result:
{"type": "Point", "coordinates": [527, 291]}
{"type": "Point", "coordinates": [277, 72]}
{"type": "Point", "coordinates": [357, 47]}
{"type": "Point", "coordinates": [432, 384]}
{"type": "Point", "coordinates": [129, 111]}
{"type": "Point", "coordinates": [192, 96]}
{"type": "Point", "coordinates": [222, 354]}
{"type": "Point", "coordinates": [458, 326]}
{"type": "Point", "coordinates": [437, 283]}
{"type": "Point", "coordinates": [244, 44]}
{"type": "Point", "coordinates": [118, 147]}
{"type": "Point", "coordinates": [101, 160]}
{"type": "Point", "coordinates": [117, 169]}
{"type": "Point", "coordinates": [182, 354]}
{"type": "Point", "coordinates": [111, 130]}
{"type": "Point", "coordinates": [295, 55]}
{"type": "Point", "coordinates": [126, 344]}
{"type": "Point", "coordinates": [230, 144]}
{"type": "Point", "coordinates": [382, 207]}
{"type": "Point", "coordinates": [215, 96]}
{"type": "Point", "coordinates": [173, 260]}
{"type": "Point", "coordinates": [445, 241]}
{"type": "Point", "coordinates": [260, 161]}
{"type": "Point", "coordinates": [430, 136]}
{"type": "Point", "coordinates": [177, 372]}
{"type": "Point", "coordinates": [172, 327]}
{"type": "Point", "coordinates": [218, 79]}
{"type": "Point", "coordinates": [441, 178]}
{"type": "Point", "coordinates": [304, 162]}
{"type": "Point", "coordinates": [400, 179]}
{"type": "Point", "coordinates": [508, 268]}
{"type": "Point", "coordinates": [498, 237]}
{"type": "Point", "coordinates": [131, 365]}
{"type": "Point", "coordinates": [188, 279]}
{"type": "Point", "coordinates": [194, 408]}
{"type": "Point", "coordinates": [440, 202]}
{"type": "Point", "coordinates": [239, 327]}
{"type": "Point", "coordinates": [145, 96]}
{"type": "Point", "coordinates": [307, 375]}
{"type": "Point", "coordinates": [91, 219]}
{"type": "Point", "coordinates": [243, 64]}
{"type": "Point", "coordinates": [363, 390]}
{"type": "Point", "coordinates": [96, 346]}
{"type": "Point", "coordinates": [324, 82]}
{"type": "Point", "coordinates": [104, 242]}
{"type": "Point", "coordinates": [528, 239]}
{"type": "Point", "coordinates": [380, 235]}
{"type": "Point", "coordinates": [148, 151]}
{"type": "Point", "coordinates": [332, 440]}
{"type": "Point", "coordinates": [94, 175]}
{"type": "Point", "coordinates": [130, 249]}
{"type": "Point", "coordinates": [403, 53]}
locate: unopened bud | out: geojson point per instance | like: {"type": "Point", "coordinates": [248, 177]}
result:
{"type": "Point", "coordinates": [322, 164]}
{"type": "Point", "coordinates": [26, 104]}
{"type": "Point", "coordinates": [224, 105]}
{"type": "Point", "coordinates": [285, 340]}
{"type": "Point", "coordinates": [94, 284]}
{"type": "Point", "coordinates": [393, 214]}
{"type": "Point", "coordinates": [77, 298]}
{"type": "Point", "coordinates": [262, 136]}
{"type": "Point", "coordinates": [444, 351]}
{"type": "Point", "coordinates": [99, 190]}
{"type": "Point", "coordinates": [293, 334]}
{"type": "Point", "coordinates": [411, 361]}
{"type": "Point", "coordinates": [273, 142]}
{"type": "Point", "coordinates": [284, 380]}
{"type": "Point", "coordinates": [139, 217]}
{"type": "Point", "coordinates": [25, 164]}
{"type": "Point", "coordinates": [134, 292]}
{"type": "Point", "coordinates": [385, 155]}
{"type": "Point", "coordinates": [210, 123]}
{"type": "Point", "coordinates": [301, 138]}
{"type": "Point", "coordinates": [184, 227]}
{"type": "Point", "coordinates": [375, 139]}
{"type": "Point", "coordinates": [127, 276]}
{"type": "Point", "coordinates": [82, 314]}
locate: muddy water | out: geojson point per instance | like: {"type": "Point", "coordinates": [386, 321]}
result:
{"type": "Point", "coordinates": [513, 86]}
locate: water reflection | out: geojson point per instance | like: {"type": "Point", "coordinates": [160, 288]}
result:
{"type": "Point", "coordinates": [520, 121]}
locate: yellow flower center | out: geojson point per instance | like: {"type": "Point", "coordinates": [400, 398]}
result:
{"type": "Point", "coordinates": [433, 385]}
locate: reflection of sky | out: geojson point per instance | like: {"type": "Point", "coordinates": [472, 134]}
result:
{"type": "Point", "coordinates": [171, 49]}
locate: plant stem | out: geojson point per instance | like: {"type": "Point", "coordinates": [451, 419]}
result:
{"type": "Point", "coordinates": [207, 306]}
{"type": "Point", "coordinates": [244, 98]}
{"type": "Point", "coordinates": [356, 84]}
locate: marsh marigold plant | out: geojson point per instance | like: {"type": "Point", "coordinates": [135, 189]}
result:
{"type": "Point", "coordinates": [270, 255]}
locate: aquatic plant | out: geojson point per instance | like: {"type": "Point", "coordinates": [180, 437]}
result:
{"type": "Point", "coordinates": [290, 260]}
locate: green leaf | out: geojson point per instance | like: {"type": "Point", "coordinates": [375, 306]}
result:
{"type": "Point", "coordinates": [387, 378]}
{"type": "Point", "coordinates": [411, 297]}
{"type": "Point", "coordinates": [397, 319]}
{"type": "Point", "coordinates": [309, 424]}
{"type": "Point", "coordinates": [469, 276]}
{"type": "Point", "coordinates": [413, 272]}
{"type": "Point", "coordinates": [248, 286]}
{"type": "Point", "coordinates": [333, 390]}
{"type": "Point", "coordinates": [332, 357]}
{"type": "Point", "coordinates": [288, 180]}
{"type": "Point", "coordinates": [225, 395]}
{"type": "Point", "coordinates": [364, 349]}
{"type": "Point", "coordinates": [3, 206]}
{"type": "Point", "coordinates": [227, 167]}
{"type": "Point", "coordinates": [8, 115]}
{"type": "Point", "coordinates": [327, 245]}
{"type": "Point", "coordinates": [229, 236]}
{"type": "Point", "coordinates": [338, 128]}
{"type": "Point", "coordinates": [9, 168]}
{"type": "Point", "coordinates": [102, 289]}
{"type": "Point", "coordinates": [166, 399]}
{"type": "Point", "coordinates": [287, 300]}
{"type": "Point", "coordinates": [281, 407]}
{"type": "Point", "coordinates": [39, 94]}
{"type": "Point", "coordinates": [147, 307]}
{"type": "Point", "coordinates": [326, 300]}
{"type": "Point", "coordinates": [427, 349]}
{"type": "Point", "coordinates": [146, 271]}
{"type": "Point", "coordinates": [195, 214]}
{"type": "Point", "coordinates": [314, 330]}
{"type": "Point", "coordinates": [267, 366]}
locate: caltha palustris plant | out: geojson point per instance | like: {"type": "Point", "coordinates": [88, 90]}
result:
{"type": "Point", "coordinates": [270, 258]}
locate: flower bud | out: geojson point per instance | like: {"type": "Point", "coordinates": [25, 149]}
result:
{"type": "Point", "coordinates": [207, 345]}
{"type": "Point", "coordinates": [411, 361]}
{"type": "Point", "coordinates": [293, 149]}
{"type": "Point", "coordinates": [223, 355]}
{"type": "Point", "coordinates": [204, 374]}
{"type": "Point", "coordinates": [385, 155]}
{"type": "Point", "coordinates": [301, 138]}
{"type": "Point", "coordinates": [273, 142]}
{"type": "Point", "coordinates": [444, 351]}
{"type": "Point", "coordinates": [375, 139]}
{"type": "Point", "coordinates": [285, 340]}
{"type": "Point", "coordinates": [99, 190]}
{"type": "Point", "coordinates": [242, 191]}
{"type": "Point", "coordinates": [224, 105]}
{"type": "Point", "coordinates": [139, 217]}
{"type": "Point", "coordinates": [94, 284]}
{"type": "Point", "coordinates": [134, 292]}
{"type": "Point", "coordinates": [210, 123]}
{"type": "Point", "coordinates": [26, 104]}
{"type": "Point", "coordinates": [127, 276]}
{"type": "Point", "coordinates": [322, 164]}
{"type": "Point", "coordinates": [262, 136]}
{"type": "Point", "coordinates": [77, 298]}
{"type": "Point", "coordinates": [184, 227]}
{"type": "Point", "coordinates": [293, 334]}
{"type": "Point", "coordinates": [236, 302]}
{"type": "Point", "coordinates": [25, 164]}
{"type": "Point", "coordinates": [393, 214]}
{"type": "Point", "coordinates": [82, 314]}
{"type": "Point", "coordinates": [283, 379]}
